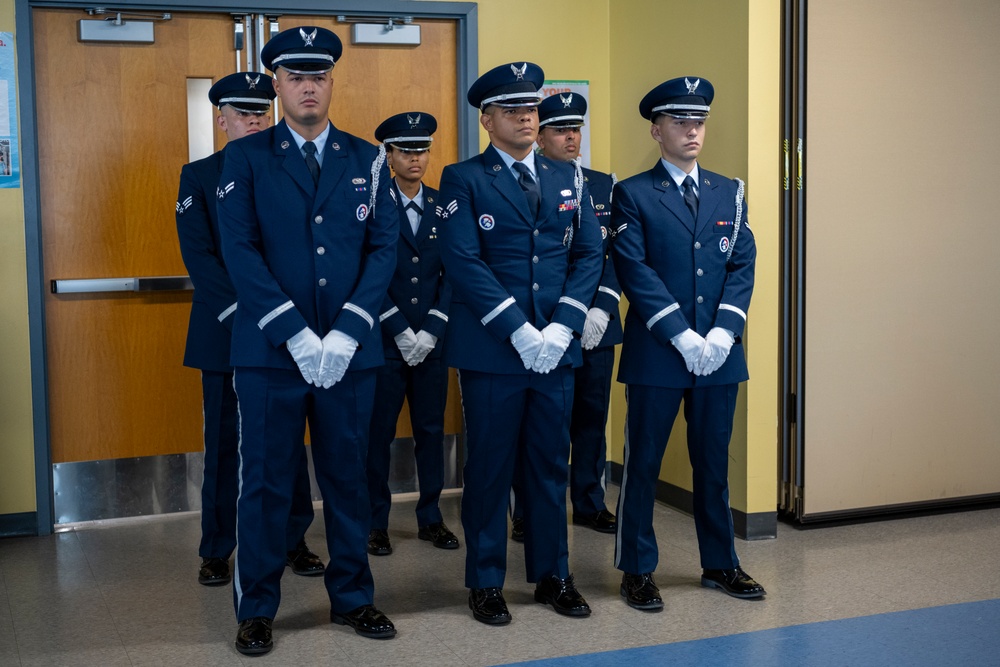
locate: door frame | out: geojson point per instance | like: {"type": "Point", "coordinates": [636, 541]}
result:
{"type": "Point", "coordinates": [465, 13]}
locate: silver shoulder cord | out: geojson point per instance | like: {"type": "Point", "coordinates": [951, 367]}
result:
{"type": "Point", "coordinates": [740, 187]}
{"type": "Point", "coordinates": [376, 170]}
{"type": "Point", "coordinates": [578, 184]}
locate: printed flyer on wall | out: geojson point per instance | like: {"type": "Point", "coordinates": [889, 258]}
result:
{"type": "Point", "coordinates": [9, 172]}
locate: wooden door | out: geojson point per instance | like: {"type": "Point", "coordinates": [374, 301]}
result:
{"type": "Point", "coordinates": [112, 139]}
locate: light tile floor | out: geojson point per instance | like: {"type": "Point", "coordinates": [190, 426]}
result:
{"type": "Point", "coordinates": [125, 593]}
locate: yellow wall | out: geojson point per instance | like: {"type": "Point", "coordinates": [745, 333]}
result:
{"type": "Point", "coordinates": [624, 48]}
{"type": "Point", "coordinates": [17, 460]}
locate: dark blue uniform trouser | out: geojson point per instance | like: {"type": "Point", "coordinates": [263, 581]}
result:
{"type": "Point", "coordinates": [508, 417]}
{"type": "Point", "coordinates": [425, 387]}
{"type": "Point", "coordinates": [591, 397]}
{"type": "Point", "coordinates": [274, 407]}
{"type": "Point", "coordinates": [651, 411]}
{"type": "Point", "coordinates": [220, 486]}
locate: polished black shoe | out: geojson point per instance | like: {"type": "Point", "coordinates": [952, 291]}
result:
{"type": "Point", "coordinates": [254, 636]}
{"type": "Point", "coordinates": [603, 521]}
{"type": "Point", "coordinates": [517, 530]}
{"type": "Point", "coordinates": [562, 595]}
{"type": "Point", "coordinates": [640, 592]}
{"type": "Point", "coordinates": [367, 621]}
{"type": "Point", "coordinates": [378, 542]}
{"type": "Point", "coordinates": [304, 562]}
{"type": "Point", "coordinates": [438, 535]}
{"type": "Point", "coordinates": [735, 582]}
{"type": "Point", "coordinates": [488, 606]}
{"type": "Point", "coordinates": [214, 572]}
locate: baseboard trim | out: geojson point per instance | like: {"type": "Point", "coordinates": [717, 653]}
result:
{"type": "Point", "coordinates": [20, 524]}
{"type": "Point", "coordinates": [753, 526]}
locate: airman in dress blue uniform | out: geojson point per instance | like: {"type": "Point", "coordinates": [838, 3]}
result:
{"type": "Point", "coordinates": [244, 101]}
{"type": "Point", "coordinates": [414, 316]}
{"type": "Point", "coordinates": [685, 256]}
{"type": "Point", "coordinates": [560, 118]}
{"type": "Point", "coordinates": [521, 248]}
{"type": "Point", "coordinates": [309, 236]}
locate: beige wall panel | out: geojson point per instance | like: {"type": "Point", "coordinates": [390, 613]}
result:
{"type": "Point", "coordinates": [903, 280]}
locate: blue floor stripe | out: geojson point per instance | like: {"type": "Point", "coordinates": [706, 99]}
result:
{"type": "Point", "coordinates": [966, 634]}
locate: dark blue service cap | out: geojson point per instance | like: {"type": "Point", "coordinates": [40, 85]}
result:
{"type": "Point", "coordinates": [510, 85]}
{"type": "Point", "coordinates": [562, 110]}
{"type": "Point", "coordinates": [410, 131]}
{"type": "Point", "coordinates": [251, 92]}
{"type": "Point", "coordinates": [684, 97]}
{"type": "Point", "coordinates": [305, 50]}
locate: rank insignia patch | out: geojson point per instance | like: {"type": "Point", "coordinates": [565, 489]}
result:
{"type": "Point", "coordinates": [222, 191]}
{"type": "Point", "coordinates": [185, 205]}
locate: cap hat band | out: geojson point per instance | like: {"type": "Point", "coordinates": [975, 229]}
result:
{"type": "Point", "coordinates": [248, 100]}
{"type": "Point", "coordinates": [304, 57]}
{"type": "Point", "coordinates": [512, 100]}
{"type": "Point", "coordinates": [574, 117]}
{"type": "Point", "coordinates": [681, 107]}
{"type": "Point", "coordinates": [418, 139]}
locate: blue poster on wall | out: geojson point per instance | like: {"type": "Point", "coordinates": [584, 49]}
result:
{"type": "Point", "coordinates": [9, 172]}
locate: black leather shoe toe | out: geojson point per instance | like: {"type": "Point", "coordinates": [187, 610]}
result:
{"type": "Point", "coordinates": [254, 636]}
{"type": "Point", "coordinates": [517, 530]}
{"type": "Point", "coordinates": [640, 592]}
{"type": "Point", "coordinates": [438, 535]}
{"type": "Point", "coordinates": [735, 582]}
{"type": "Point", "coordinates": [367, 621]}
{"type": "Point", "coordinates": [304, 562]}
{"type": "Point", "coordinates": [378, 542]}
{"type": "Point", "coordinates": [562, 595]}
{"type": "Point", "coordinates": [488, 606]}
{"type": "Point", "coordinates": [214, 572]}
{"type": "Point", "coordinates": [603, 521]}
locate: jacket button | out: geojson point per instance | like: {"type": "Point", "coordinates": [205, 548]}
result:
{"type": "Point", "coordinates": [321, 250]}
{"type": "Point", "coordinates": [534, 260]}
{"type": "Point", "coordinates": [697, 245]}
{"type": "Point", "coordinates": [414, 280]}
{"type": "Point", "coordinates": [413, 301]}
{"type": "Point", "coordinates": [415, 260]}
{"type": "Point", "coordinates": [535, 287]}
{"type": "Point", "coordinates": [534, 233]}
{"type": "Point", "coordinates": [700, 272]}
{"type": "Point", "coordinates": [322, 282]}
{"type": "Point", "coordinates": [701, 299]}
{"type": "Point", "coordinates": [318, 220]}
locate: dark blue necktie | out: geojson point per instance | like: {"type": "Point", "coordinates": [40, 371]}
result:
{"type": "Point", "coordinates": [689, 197]}
{"type": "Point", "coordinates": [311, 162]}
{"type": "Point", "coordinates": [530, 187]}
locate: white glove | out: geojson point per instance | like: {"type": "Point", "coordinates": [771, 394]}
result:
{"type": "Point", "coordinates": [690, 345]}
{"type": "Point", "coordinates": [338, 350]}
{"type": "Point", "coordinates": [718, 342]}
{"type": "Point", "coordinates": [594, 327]}
{"type": "Point", "coordinates": [556, 338]}
{"type": "Point", "coordinates": [425, 343]}
{"type": "Point", "coordinates": [307, 351]}
{"type": "Point", "coordinates": [405, 341]}
{"type": "Point", "coordinates": [527, 340]}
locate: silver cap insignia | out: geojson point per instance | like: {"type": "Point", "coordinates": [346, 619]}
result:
{"type": "Point", "coordinates": [568, 100]}
{"type": "Point", "coordinates": [519, 73]}
{"type": "Point", "coordinates": [691, 86]}
{"type": "Point", "coordinates": [252, 82]}
{"type": "Point", "coordinates": [413, 121]}
{"type": "Point", "coordinates": [308, 39]}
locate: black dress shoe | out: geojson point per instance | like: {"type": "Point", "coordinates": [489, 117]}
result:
{"type": "Point", "coordinates": [603, 521]}
{"type": "Point", "coordinates": [517, 530]}
{"type": "Point", "coordinates": [304, 562]}
{"type": "Point", "coordinates": [367, 621]}
{"type": "Point", "coordinates": [640, 592]}
{"type": "Point", "coordinates": [254, 636]}
{"type": "Point", "coordinates": [562, 595]}
{"type": "Point", "coordinates": [378, 542]}
{"type": "Point", "coordinates": [214, 572]}
{"type": "Point", "coordinates": [438, 535]}
{"type": "Point", "coordinates": [735, 582]}
{"type": "Point", "coordinates": [488, 606]}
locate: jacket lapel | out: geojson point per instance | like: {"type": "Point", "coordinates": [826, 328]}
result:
{"type": "Point", "coordinates": [708, 200]}
{"type": "Point", "coordinates": [505, 183]}
{"type": "Point", "coordinates": [670, 196]}
{"type": "Point", "coordinates": [405, 232]}
{"type": "Point", "coordinates": [293, 163]}
{"type": "Point", "coordinates": [335, 161]}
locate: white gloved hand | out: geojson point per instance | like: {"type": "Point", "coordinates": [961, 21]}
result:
{"type": "Point", "coordinates": [405, 341]}
{"type": "Point", "coordinates": [718, 342]}
{"type": "Point", "coordinates": [307, 351]}
{"type": "Point", "coordinates": [425, 343]}
{"type": "Point", "coordinates": [556, 338]}
{"type": "Point", "coordinates": [594, 328]}
{"type": "Point", "coordinates": [338, 350]}
{"type": "Point", "coordinates": [690, 345]}
{"type": "Point", "coordinates": [527, 340]}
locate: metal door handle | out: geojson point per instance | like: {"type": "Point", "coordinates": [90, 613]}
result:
{"type": "Point", "coordinates": [147, 284]}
